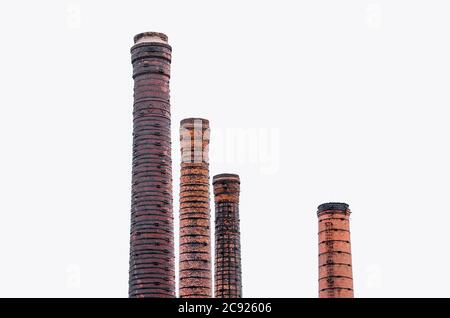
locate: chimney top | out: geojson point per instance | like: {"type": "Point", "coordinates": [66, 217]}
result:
{"type": "Point", "coordinates": [332, 206]}
{"type": "Point", "coordinates": [193, 120]}
{"type": "Point", "coordinates": [191, 123]}
{"type": "Point", "coordinates": [150, 37]}
{"type": "Point", "coordinates": [226, 177]}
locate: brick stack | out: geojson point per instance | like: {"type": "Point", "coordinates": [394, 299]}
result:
{"type": "Point", "coordinates": [335, 258]}
{"type": "Point", "coordinates": [152, 271]}
{"type": "Point", "coordinates": [195, 233]}
{"type": "Point", "coordinates": [228, 277]}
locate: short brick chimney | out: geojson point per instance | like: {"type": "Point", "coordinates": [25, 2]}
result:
{"type": "Point", "coordinates": [335, 256]}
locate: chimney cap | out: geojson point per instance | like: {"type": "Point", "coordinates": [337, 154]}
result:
{"type": "Point", "coordinates": [226, 177]}
{"type": "Point", "coordinates": [151, 37]}
{"type": "Point", "coordinates": [332, 206]}
{"type": "Point", "coordinates": [193, 121]}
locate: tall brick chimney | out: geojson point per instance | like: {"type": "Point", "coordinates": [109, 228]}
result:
{"type": "Point", "coordinates": [152, 264]}
{"type": "Point", "coordinates": [195, 232]}
{"type": "Point", "coordinates": [335, 257]}
{"type": "Point", "coordinates": [228, 276]}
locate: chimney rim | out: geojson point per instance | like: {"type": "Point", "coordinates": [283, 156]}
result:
{"type": "Point", "coordinates": [226, 177]}
{"type": "Point", "coordinates": [330, 206]}
{"type": "Point", "coordinates": [192, 120]}
{"type": "Point", "coordinates": [151, 37]}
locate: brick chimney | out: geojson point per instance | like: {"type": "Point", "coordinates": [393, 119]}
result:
{"type": "Point", "coordinates": [152, 271]}
{"type": "Point", "coordinates": [228, 276]}
{"type": "Point", "coordinates": [195, 232]}
{"type": "Point", "coordinates": [335, 258]}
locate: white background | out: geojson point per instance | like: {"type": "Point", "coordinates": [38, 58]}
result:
{"type": "Point", "coordinates": [344, 100]}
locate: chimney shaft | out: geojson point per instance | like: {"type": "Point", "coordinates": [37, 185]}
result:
{"type": "Point", "coordinates": [152, 271]}
{"type": "Point", "coordinates": [335, 258]}
{"type": "Point", "coordinates": [195, 233]}
{"type": "Point", "coordinates": [228, 276]}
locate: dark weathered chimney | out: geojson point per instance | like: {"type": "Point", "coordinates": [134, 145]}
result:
{"type": "Point", "coordinates": [152, 271]}
{"type": "Point", "coordinates": [228, 276]}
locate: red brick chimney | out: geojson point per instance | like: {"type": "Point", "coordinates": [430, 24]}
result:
{"type": "Point", "coordinates": [195, 232]}
{"type": "Point", "coordinates": [228, 276]}
{"type": "Point", "coordinates": [152, 272]}
{"type": "Point", "coordinates": [335, 257]}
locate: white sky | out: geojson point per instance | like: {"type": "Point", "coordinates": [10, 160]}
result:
{"type": "Point", "coordinates": [340, 100]}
